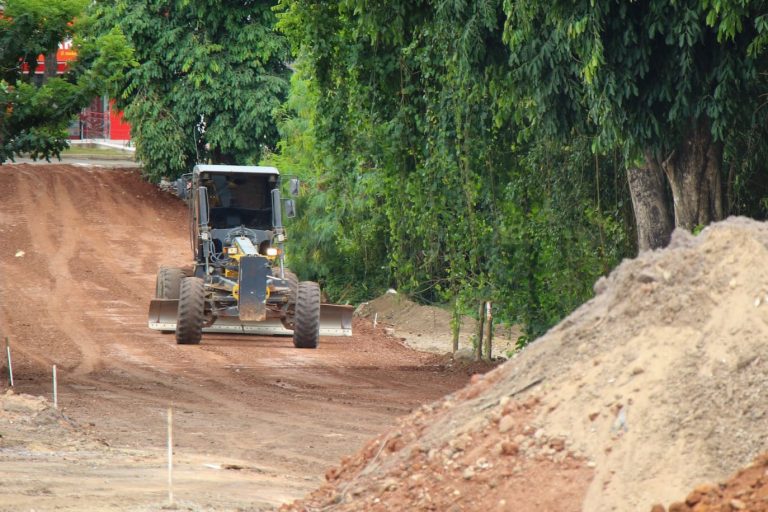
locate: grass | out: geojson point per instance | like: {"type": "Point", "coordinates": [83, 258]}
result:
{"type": "Point", "coordinates": [82, 150]}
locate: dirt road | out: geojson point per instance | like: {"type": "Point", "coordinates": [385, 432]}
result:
{"type": "Point", "coordinates": [80, 248]}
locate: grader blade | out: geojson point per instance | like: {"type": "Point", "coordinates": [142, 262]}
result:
{"type": "Point", "coordinates": [162, 314]}
{"type": "Point", "coordinates": [335, 320]}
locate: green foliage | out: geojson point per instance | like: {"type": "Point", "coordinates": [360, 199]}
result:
{"type": "Point", "coordinates": [642, 70]}
{"type": "Point", "coordinates": [34, 118]}
{"type": "Point", "coordinates": [337, 237]}
{"type": "Point", "coordinates": [427, 176]}
{"type": "Point", "coordinates": [208, 79]}
{"type": "Point", "coordinates": [29, 28]}
{"type": "Point", "coordinates": [747, 172]}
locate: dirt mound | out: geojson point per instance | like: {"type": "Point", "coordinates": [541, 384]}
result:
{"type": "Point", "coordinates": [428, 328]}
{"type": "Point", "coordinates": [658, 383]}
{"type": "Point", "coordinates": [30, 424]}
{"type": "Point", "coordinates": [746, 490]}
{"type": "Point", "coordinates": [498, 461]}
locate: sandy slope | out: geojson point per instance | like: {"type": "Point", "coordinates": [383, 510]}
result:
{"type": "Point", "coordinates": [654, 386]}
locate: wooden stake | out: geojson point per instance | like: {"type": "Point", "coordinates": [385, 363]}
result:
{"type": "Point", "coordinates": [488, 330]}
{"type": "Point", "coordinates": [10, 365]}
{"type": "Point", "coordinates": [375, 320]}
{"type": "Point", "coordinates": [170, 456]}
{"type": "Point", "coordinates": [55, 390]}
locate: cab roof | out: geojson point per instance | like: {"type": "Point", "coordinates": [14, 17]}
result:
{"type": "Point", "coordinates": [236, 169]}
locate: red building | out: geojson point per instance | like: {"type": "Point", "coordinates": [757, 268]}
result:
{"type": "Point", "coordinates": [100, 120]}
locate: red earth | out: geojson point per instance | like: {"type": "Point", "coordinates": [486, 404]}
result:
{"type": "Point", "coordinates": [81, 246]}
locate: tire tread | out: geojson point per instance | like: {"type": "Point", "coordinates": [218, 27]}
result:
{"type": "Point", "coordinates": [168, 284]}
{"type": "Point", "coordinates": [306, 323]}
{"type": "Point", "coordinates": [189, 322]}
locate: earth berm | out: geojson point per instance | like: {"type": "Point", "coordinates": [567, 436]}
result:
{"type": "Point", "coordinates": [652, 388]}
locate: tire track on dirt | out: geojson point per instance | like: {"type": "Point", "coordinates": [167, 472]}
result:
{"type": "Point", "coordinates": [94, 239]}
{"type": "Point", "coordinates": [58, 244]}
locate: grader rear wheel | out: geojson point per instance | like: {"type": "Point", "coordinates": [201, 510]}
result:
{"type": "Point", "coordinates": [293, 284]}
{"type": "Point", "coordinates": [168, 282]}
{"type": "Point", "coordinates": [293, 281]}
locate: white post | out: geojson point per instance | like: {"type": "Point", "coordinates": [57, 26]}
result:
{"type": "Point", "coordinates": [55, 390]}
{"type": "Point", "coordinates": [375, 320]}
{"type": "Point", "coordinates": [10, 366]}
{"type": "Point", "coordinates": [170, 456]}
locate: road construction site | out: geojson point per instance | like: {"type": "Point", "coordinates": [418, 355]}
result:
{"type": "Point", "coordinates": [651, 396]}
{"type": "Point", "coordinates": [81, 246]}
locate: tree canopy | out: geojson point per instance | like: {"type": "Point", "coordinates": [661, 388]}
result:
{"type": "Point", "coordinates": [479, 149]}
{"type": "Point", "coordinates": [428, 179]}
{"type": "Point", "coordinates": [34, 117]}
{"type": "Point", "coordinates": [210, 75]}
{"type": "Point", "coordinates": [668, 82]}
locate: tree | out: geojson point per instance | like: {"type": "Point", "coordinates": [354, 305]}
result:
{"type": "Point", "coordinates": [429, 178]}
{"type": "Point", "coordinates": [657, 78]}
{"type": "Point", "coordinates": [34, 117]}
{"type": "Point", "coordinates": [209, 78]}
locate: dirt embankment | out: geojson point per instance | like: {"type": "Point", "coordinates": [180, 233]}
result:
{"type": "Point", "coordinates": [651, 388]}
{"type": "Point", "coordinates": [428, 328]}
{"type": "Point", "coordinates": [746, 490]}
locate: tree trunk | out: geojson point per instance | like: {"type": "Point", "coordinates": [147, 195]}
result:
{"type": "Point", "coordinates": [51, 66]}
{"type": "Point", "coordinates": [653, 218]}
{"type": "Point", "coordinates": [693, 172]}
{"type": "Point", "coordinates": [455, 326]}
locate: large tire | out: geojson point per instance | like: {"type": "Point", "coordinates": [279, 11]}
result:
{"type": "Point", "coordinates": [306, 328]}
{"type": "Point", "coordinates": [189, 323]}
{"type": "Point", "coordinates": [293, 282]}
{"type": "Point", "coordinates": [168, 283]}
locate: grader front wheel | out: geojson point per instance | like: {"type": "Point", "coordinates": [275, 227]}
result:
{"type": "Point", "coordinates": [306, 322]}
{"type": "Point", "coordinates": [189, 324]}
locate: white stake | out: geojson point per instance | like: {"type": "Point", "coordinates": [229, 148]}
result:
{"type": "Point", "coordinates": [10, 366]}
{"type": "Point", "coordinates": [55, 390]}
{"type": "Point", "coordinates": [170, 456]}
{"type": "Point", "coordinates": [375, 320]}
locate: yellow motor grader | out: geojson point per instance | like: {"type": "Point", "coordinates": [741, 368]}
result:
{"type": "Point", "coordinates": [238, 282]}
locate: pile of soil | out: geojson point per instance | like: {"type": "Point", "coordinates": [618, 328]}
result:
{"type": "Point", "coordinates": [497, 461]}
{"type": "Point", "coordinates": [652, 387]}
{"type": "Point", "coordinates": [746, 490]}
{"type": "Point", "coordinates": [428, 328]}
{"type": "Point", "coordinates": [31, 425]}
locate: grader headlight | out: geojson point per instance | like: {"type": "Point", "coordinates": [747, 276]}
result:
{"type": "Point", "coordinates": [272, 252]}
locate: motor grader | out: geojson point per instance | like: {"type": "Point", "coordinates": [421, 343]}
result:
{"type": "Point", "coordinates": [238, 282]}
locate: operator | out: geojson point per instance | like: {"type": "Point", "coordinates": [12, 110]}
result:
{"type": "Point", "coordinates": [218, 188]}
